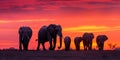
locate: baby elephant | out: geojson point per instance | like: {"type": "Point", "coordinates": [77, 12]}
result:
{"type": "Point", "coordinates": [100, 41]}
{"type": "Point", "coordinates": [77, 41]}
{"type": "Point", "coordinates": [67, 42]}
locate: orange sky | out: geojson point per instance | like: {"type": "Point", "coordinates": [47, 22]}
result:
{"type": "Point", "coordinates": [75, 17]}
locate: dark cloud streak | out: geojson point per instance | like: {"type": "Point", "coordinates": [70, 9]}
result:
{"type": "Point", "coordinates": [49, 5]}
{"type": "Point", "coordinates": [104, 3]}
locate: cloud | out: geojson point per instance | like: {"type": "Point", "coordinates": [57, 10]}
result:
{"type": "Point", "coordinates": [19, 21]}
{"type": "Point", "coordinates": [30, 5]}
{"type": "Point", "coordinates": [105, 3]}
{"type": "Point", "coordinates": [91, 29]}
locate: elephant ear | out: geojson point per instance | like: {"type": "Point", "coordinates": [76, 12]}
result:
{"type": "Point", "coordinates": [104, 37]}
{"type": "Point", "coordinates": [29, 31]}
{"type": "Point", "coordinates": [20, 30]}
{"type": "Point", "coordinates": [51, 28]}
{"type": "Point", "coordinates": [92, 35]}
{"type": "Point", "coordinates": [59, 30]}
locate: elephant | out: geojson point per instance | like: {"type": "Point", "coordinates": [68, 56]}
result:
{"type": "Point", "coordinates": [87, 40]}
{"type": "Point", "coordinates": [67, 42]}
{"type": "Point", "coordinates": [100, 41]}
{"type": "Point", "coordinates": [25, 34]}
{"type": "Point", "coordinates": [49, 34]}
{"type": "Point", "coordinates": [77, 41]}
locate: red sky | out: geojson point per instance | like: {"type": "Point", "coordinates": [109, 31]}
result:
{"type": "Point", "coordinates": [75, 16]}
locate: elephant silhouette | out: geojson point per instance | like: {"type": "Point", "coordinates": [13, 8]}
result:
{"type": "Point", "coordinates": [49, 34]}
{"type": "Point", "coordinates": [87, 40]}
{"type": "Point", "coordinates": [77, 41]}
{"type": "Point", "coordinates": [100, 41]}
{"type": "Point", "coordinates": [25, 34]}
{"type": "Point", "coordinates": [67, 42]}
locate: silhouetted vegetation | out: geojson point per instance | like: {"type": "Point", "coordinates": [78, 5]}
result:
{"type": "Point", "coordinates": [112, 46]}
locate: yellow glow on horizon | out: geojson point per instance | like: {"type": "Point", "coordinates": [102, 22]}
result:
{"type": "Point", "coordinates": [17, 21]}
{"type": "Point", "coordinates": [91, 29]}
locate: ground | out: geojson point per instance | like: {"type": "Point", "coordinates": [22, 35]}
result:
{"type": "Point", "coordinates": [59, 55]}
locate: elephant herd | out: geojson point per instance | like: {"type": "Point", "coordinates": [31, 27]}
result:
{"type": "Point", "coordinates": [87, 41]}
{"type": "Point", "coordinates": [49, 34]}
{"type": "Point", "coordinates": [45, 34]}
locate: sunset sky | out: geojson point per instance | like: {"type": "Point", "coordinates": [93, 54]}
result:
{"type": "Point", "coordinates": [75, 17]}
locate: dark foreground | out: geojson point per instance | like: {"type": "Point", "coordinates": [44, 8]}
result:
{"type": "Point", "coordinates": [60, 55]}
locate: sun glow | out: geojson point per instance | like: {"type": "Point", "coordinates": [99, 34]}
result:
{"type": "Point", "coordinates": [91, 29]}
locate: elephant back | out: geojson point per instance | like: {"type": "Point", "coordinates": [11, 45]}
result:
{"type": "Point", "coordinates": [59, 30]}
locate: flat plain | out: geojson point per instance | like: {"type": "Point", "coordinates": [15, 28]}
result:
{"type": "Point", "coordinates": [59, 55]}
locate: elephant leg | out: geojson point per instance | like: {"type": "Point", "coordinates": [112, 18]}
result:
{"type": "Point", "coordinates": [87, 46]}
{"type": "Point", "coordinates": [38, 46]}
{"type": "Point", "coordinates": [67, 46]}
{"type": "Point", "coordinates": [102, 45]}
{"type": "Point", "coordinates": [43, 46]}
{"type": "Point", "coordinates": [90, 46]}
{"type": "Point", "coordinates": [78, 47]}
{"type": "Point", "coordinates": [50, 42]}
{"type": "Point", "coordinates": [85, 43]}
{"type": "Point", "coordinates": [20, 45]}
{"type": "Point", "coordinates": [54, 41]}
{"type": "Point", "coordinates": [98, 45]}
{"type": "Point", "coordinates": [24, 46]}
{"type": "Point", "coordinates": [27, 46]}
{"type": "Point", "coordinates": [84, 46]}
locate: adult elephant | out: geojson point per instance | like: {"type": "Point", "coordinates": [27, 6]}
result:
{"type": "Point", "coordinates": [100, 41]}
{"type": "Point", "coordinates": [77, 41]}
{"type": "Point", "coordinates": [25, 34]}
{"type": "Point", "coordinates": [49, 33]}
{"type": "Point", "coordinates": [67, 42]}
{"type": "Point", "coordinates": [87, 40]}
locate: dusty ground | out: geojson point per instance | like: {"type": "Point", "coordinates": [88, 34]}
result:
{"type": "Point", "coordinates": [60, 55]}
